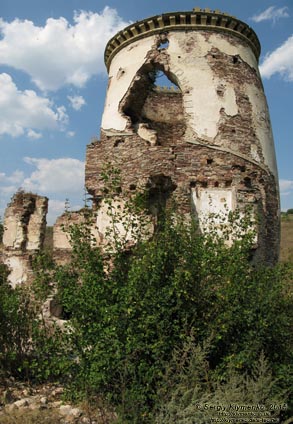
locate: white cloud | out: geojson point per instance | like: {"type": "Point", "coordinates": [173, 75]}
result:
{"type": "Point", "coordinates": [24, 110]}
{"type": "Point", "coordinates": [9, 184]}
{"type": "Point", "coordinates": [271, 14]}
{"type": "Point", "coordinates": [64, 175]}
{"type": "Point", "coordinates": [77, 50]}
{"type": "Point", "coordinates": [279, 61]}
{"type": "Point", "coordinates": [15, 177]}
{"type": "Point", "coordinates": [57, 208]}
{"type": "Point", "coordinates": [34, 134]}
{"type": "Point", "coordinates": [70, 134]}
{"type": "Point", "coordinates": [76, 102]}
{"type": "Point", "coordinates": [286, 187]}
{"type": "Point", "coordinates": [58, 178]}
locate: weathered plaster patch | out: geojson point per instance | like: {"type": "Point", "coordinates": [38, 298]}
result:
{"type": "Point", "coordinates": [199, 84]}
{"type": "Point", "coordinates": [19, 270]}
{"type": "Point", "coordinates": [262, 126]}
{"type": "Point", "coordinates": [212, 203]}
{"type": "Point", "coordinates": [132, 58]}
{"type": "Point", "coordinates": [13, 237]}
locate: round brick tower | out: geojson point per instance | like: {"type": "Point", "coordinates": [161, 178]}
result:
{"type": "Point", "coordinates": [204, 139]}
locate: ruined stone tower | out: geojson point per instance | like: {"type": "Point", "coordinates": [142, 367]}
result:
{"type": "Point", "coordinates": [24, 233]}
{"type": "Point", "coordinates": [206, 141]}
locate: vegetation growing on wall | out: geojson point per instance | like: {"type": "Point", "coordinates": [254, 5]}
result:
{"type": "Point", "coordinates": [176, 320]}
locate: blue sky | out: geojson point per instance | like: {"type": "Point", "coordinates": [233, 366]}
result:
{"type": "Point", "coordinates": [53, 82]}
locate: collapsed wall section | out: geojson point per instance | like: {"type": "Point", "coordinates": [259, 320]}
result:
{"type": "Point", "coordinates": [24, 233]}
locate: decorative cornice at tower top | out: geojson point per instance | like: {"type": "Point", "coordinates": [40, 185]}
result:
{"type": "Point", "coordinates": [197, 19]}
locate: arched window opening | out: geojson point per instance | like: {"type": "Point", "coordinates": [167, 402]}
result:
{"type": "Point", "coordinates": [154, 105]}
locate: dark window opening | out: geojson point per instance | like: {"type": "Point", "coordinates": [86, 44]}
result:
{"type": "Point", "coordinates": [117, 142]}
{"type": "Point", "coordinates": [241, 168]}
{"type": "Point", "coordinates": [216, 184]}
{"type": "Point", "coordinates": [247, 182]}
{"type": "Point", "coordinates": [209, 161]}
{"type": "Point", "coordinates": [159, 191]}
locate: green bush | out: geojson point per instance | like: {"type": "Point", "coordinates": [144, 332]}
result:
{"type": "Point", "coordinates": [126, 320]}
{"type": "Point", "coordinates": [130, 308]}
{"type": "Point", "coordinates": [15, 330]}
{"type": "Point", "coordinates": [191, 392]}
{"type": "Point", "coordinates": [31, 349]}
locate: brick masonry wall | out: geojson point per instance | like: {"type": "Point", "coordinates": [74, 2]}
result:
{"type": "Point", "coordinates": [189, 166]}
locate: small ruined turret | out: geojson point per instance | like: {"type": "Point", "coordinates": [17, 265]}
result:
{"type": "Point", "coordinates": [24, 233]}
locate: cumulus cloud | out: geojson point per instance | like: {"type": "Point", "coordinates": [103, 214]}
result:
{"type": "Point", "coordinates": [76, 102]}
{"type": "Point", "coordinates": [9, 184]}
{"type": "Point", "coordinates": [34, 134]}
{"type": "Point", "coordinates": [286, 187]}
{"type": "Point", "coordinates": [64, 175]}
{"type": "Point", "coordinates": [23, 111]}
{"type": "Point", "coordinates": [57, 208]}
{"type": "Point", "coordinates": [77, 49]}
{"type": "Point", "coordinates": [279, 61]}
{"type": "Point", "coordinates": [271, 14]}
{"type": "Point", "coordinates": [15, 178]}
{"type": "Point", "coordinates": [57, 179]}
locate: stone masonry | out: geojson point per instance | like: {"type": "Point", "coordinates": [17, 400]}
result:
{"type": "Point", "coordinates": [24, 233]}
{"type": "Point", "coordinates": [206, 142]}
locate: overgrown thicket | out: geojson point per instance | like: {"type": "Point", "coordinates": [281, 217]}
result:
{"type": "Point", "coordinates": [157, 327]}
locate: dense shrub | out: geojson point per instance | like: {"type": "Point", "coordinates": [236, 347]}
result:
{"type": "Point", "coordinates": [191, 392]}
{"type": "Point", "coordinates": [15, 326]}
{"type": "Point", "coordinates": [125, 321]}
{"type": "Point", "coordinates": [134, 308]}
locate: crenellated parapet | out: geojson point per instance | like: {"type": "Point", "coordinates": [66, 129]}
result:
{"type": "Point", "coordinates": [197, 19]}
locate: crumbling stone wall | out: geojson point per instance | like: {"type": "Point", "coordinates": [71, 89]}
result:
{"type": "Point", "coordinates": [24, 233]}
{"type": "Point", "coordinates": [208, 139]}
{"type": "Point", "coordinates": [61, 235]}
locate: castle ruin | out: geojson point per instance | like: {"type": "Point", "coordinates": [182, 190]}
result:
{"type": "Point", "coordinates": [205, 141]}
